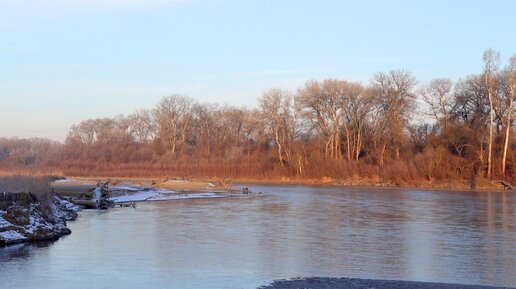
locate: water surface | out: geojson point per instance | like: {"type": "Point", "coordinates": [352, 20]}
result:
{"type": "Point", "coordinates": [289, 231]}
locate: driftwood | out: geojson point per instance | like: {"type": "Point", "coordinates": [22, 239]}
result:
{"type": "Point", "coordinates": [507, 186]}
{"type": "Point", "coordinates": [226, 183]}
{"type": "Point", "coordinates": [127, 205]}
{"type": "Point", "coordinates": [96, 198]}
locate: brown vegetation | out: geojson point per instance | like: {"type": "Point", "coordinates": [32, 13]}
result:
{"type": "Point", "coordinates": [330, 129]}
{"type": "Point", "coordinates": [26, 184]}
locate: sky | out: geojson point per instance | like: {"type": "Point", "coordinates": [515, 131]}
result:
{"type": "Point", "coordinates": [64, 61]}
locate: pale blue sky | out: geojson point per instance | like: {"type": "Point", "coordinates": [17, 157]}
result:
{"type": "Point", "coordinates": [63, 61]}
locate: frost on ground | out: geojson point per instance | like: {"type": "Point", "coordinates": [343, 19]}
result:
{"type": "Point", "coordinates": [161, 195]}
{"type": "Point", "coordinates": [25, 218]}
{"type": "Point", "coordinates": [124, 188]}
{"type": "Point", "coordinates": [12, 236]}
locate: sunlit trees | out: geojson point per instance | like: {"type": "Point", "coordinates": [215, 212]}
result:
{"type": "Point", "coordinates": [329, 128]}
{"type": "Point", "coordinates": [322, 104]}
{"type": "Point", "coordinates": [279, 117]}
{"type": "Point", "coordinates": [358, 104]}
{"type": "Point", "coordinates": [173, 115]}
{"type": "Point", "coordinates": [491, 64]}
{"type": "Point", "coordinates": [395, 104]}
{"type": "Point", "coordinates": [508, 92]}
{"type": "Point", "coordinates": [142, 125]}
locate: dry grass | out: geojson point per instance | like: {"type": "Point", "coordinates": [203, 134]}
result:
{"type": "Point", "coordinates": [28, 184]}
{"type": "Point", "coordinates": [31, 172]}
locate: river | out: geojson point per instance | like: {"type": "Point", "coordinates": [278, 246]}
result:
{"type": "Point", "coordinates": [288, 231]}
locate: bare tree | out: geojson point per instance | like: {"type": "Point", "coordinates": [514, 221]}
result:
{"type": "Point", "coordinates": [470, 114]}
{"type": "Point", "coordinates": [173, 115]}
{"type": "Point", "coordinates": [438, 95]}
{"type": "Point", "coordinates": [323, 104]}
{"type": "Point", "coordinates": [277, 109]}
{"type": "Point", "coordinates": [358, 104]}
{"type": "Point", "coordinates": [491, 62]}
{"type": "Point", "coordinates": [142, 125]}
{"type": "Point", "coordinates": [395, 102]}
{"type": "Point", "coordinates": [509, 91]}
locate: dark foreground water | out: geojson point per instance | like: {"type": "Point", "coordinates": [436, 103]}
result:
{"type": "Point", "coordinates": [289, 231]}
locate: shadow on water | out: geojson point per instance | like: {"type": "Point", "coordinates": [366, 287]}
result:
{"type": "Point", "coordinates": [24, 250]}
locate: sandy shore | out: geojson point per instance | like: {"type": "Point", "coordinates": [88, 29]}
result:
{"type": "Point", "coordinates": [351, 283]}
{"type": "Point", "coordinates": [76, 186]}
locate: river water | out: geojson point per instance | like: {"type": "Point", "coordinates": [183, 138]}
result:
{"type": "Point", "coordinates": [288, 231]}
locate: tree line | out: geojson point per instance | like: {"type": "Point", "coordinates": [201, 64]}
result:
{"type": "Point", "coordinates": [389, 130]}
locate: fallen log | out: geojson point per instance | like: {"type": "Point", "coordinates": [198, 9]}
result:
{"type": "Point", "coordinates": [507, 186]}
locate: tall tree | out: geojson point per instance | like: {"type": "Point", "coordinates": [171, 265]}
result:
{"type": "Point", "coordinates": [491, 62]}
{"type": "Point", "coordinates": [509, 77]}
{"type": "Point", "coordinates": [142, 125]}
{"type": "Point", "coordinates": [277, 109]}
{"type": "Point", "coordinates": [395, 103]}
{"type": "Point", "coordinates": [173, 115]}
{"type": "Point", "coordinates": [438, 95]}
{"type": "Point", "coordinates": [358, 104]}
{"type": "Point", "coordinates": [322, 103]}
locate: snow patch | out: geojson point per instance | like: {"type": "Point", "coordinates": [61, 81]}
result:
{"type": "Point", "coordinates": [161, 195]}
{"type": "Point", "coordinates": [4, 223]}
{"type": "Point", "coordinates": [98, 193]}
{"type": "Point", "coordinates": [12, 235]}
{"type": "Point", "coordinates": [124, 188]}
{"type": "Point", "coordinates": [61, 212]}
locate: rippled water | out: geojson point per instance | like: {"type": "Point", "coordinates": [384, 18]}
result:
{"type": "Point", "coordinates": [289, 231]}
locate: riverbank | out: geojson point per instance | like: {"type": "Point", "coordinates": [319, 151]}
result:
{"type": "Point", "coordinates": [455, 185]}
{"type": "Point", "coordinates": [26, 217]}
{"type": "Point", "coordinates": [212, 183]}
{"type": "Point", "coordinates": [37, 208]}
{"type": "Point", "coordinates": [352, 283]}
{"type": "Point", "coordinates": [72, 186]}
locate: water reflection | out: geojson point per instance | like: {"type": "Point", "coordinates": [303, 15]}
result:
{"type": "Point", "coordinates": [459, 237]}
{"type": "Point", "coordinates": [22, 250]}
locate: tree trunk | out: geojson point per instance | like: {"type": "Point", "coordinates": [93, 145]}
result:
{"type": "Point", "coordinates": [348, 143]}
{"type": "Point", "coordinates": [506, 143]}
{"type": "Point", "coordinates": [336, 144]}
{"type": "Point", "coordinates": [328, 143]}
{"type": "Point", "coordinates": [490, 142]}
{"type": "Point", "coordinates": [278, 143]}
{"type": "Point", "coordinates": [382, 153]}
{"type": "Point", "coordinates": [481, 157]}
{"type": "Point", "coordinates": [299, 165]}
{"type": "Point", "coordinates": [359, 144]}
{"type": "Point", "coordinates": [174, 138]}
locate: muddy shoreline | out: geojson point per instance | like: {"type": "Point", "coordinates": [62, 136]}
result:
{"type": "Point", "coordinates": [353, 283]}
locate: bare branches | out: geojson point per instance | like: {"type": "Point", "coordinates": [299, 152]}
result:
{"type": "Point", "coordinates": [438, 95]}
{"type": "Point", "coordinates": [395, 102]}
